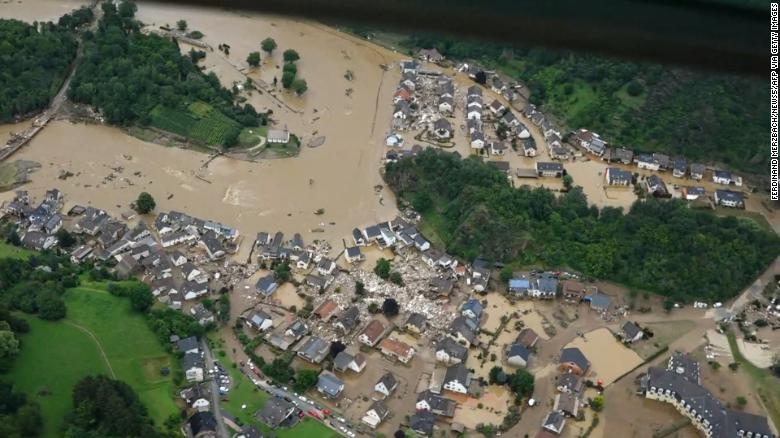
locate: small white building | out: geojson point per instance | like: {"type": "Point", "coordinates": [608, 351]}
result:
{"type": "Point", "coordinates": [278, 135]}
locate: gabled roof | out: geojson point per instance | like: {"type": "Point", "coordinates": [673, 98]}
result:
{"type": "Point", "coordinates": [422, 422]}
{"type": "Point", "coordinates": [571, 381]}
{"type": "Point", "coordinates": [187, 344]}
{"type": "Point", "coordinates": [380, 408]}
{"type": "Point", "coordinates": [474, 306]}
{"type": "Point", "coordinates": [342, 360]}
{"type": "Point", "coordinates": [201, 422]}
{"type": "Point", "coordinates": [452, 348]}
{"type": "Point", "coordinates": [457, 372]}
{"type": "Point", "coordinates": [388, 380]}
{"type": "Point", "coordinates": [518, 350]}
{"type": "Point", "coordinates": [373, 330]}
{"type": "Point", "coordinates": [349, 318]}
{"type": "Point", "coordinates": [630, 329]}
{"type": "Point", "coordinates": [417, 320]}
{"type": "Point", "coordinates": [329, 384]}
{"type": "Point", "coordinates": [575, 356]}
{"type": "Point", "coordinates": [527, 337]}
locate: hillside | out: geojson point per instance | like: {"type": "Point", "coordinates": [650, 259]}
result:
{"type": "Point", "coordinates": [704, 116]}
{"type": "Point", "coordinates": [659, 246]}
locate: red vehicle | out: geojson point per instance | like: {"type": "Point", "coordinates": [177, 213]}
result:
{"type": "Point", "coordinates": [314, 414]}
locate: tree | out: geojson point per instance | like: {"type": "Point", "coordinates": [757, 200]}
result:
{"type": "Point", "coordinates": [65, 238]}
{"type": "Point", "coordinates": [634, 88]}
{"type": "Point", "coordinates": [382, 268]}
{"type": "Point", "coordinates": [50, 305]}
{"type": "Point", "coordinates": [253, 59]}
{"type": "Point", "coordinates": [287, 79]}
{"type": "Point", "coordinates": [127, 9]}
{"type": "Point", "coordinates": [668, 304]}
{"type": "Point", "coordinates": [395, 278]}
{"type": "Point", "coordinates": [141, 298]}
{"type": "Point", "coordinates": [305, 379]}
{"type": "Point", "coordinates": [741, 401]}
{"type": "Point", "coordinates": [506, 274]}
{"type": "Point", "coordinates": [268, 45]}
{"type": "Point", "coordinates": [145, 203]}
{"type": "Point", "coordinates": [282, 272]}
{"type": "Point", "coordinates": [373, 307]}
{"type": "Point", "coordinates": [336, 347]}
{"type": "Point", "coordinates": [733, 366]}
{"type": "Point", "coordinates": [597, 404]}
{"type": "Point", "coordinates": [568, 181]}
{"type": "Point", "coordinates": [399, 434]}
{"type": "Point", "coordinates": [181, 25]}
{"type": "Point", "coordinates": [390, 307]}
{"type": "Point", "coordinates": [9, 345]}
{"type": "Point", "coordinates": [497, 376]}
{"type": "Point", "coordinates": [299, 86]}
{"type": "Point", "coordinates": [290, 55]}
{"type": "Point", "coordinates": [360, 288]}
{"type": "Point", "coordinates": [521, 383]}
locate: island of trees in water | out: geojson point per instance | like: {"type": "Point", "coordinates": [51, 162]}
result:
{"type": "Point", "coordinates": [661, 246]}
{"type": "Point", "coordinates": [132, 77]}
{"type": "Point", "coordinates": [651, 107]}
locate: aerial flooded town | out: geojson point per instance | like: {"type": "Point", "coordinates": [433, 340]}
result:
{"type": "Point", "coordinates": [222, 223]}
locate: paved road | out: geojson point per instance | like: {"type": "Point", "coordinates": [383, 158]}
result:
{"type": "Point", "coordinates": [222, 431]}
{"type": "Point", "coordinates": [307, 406]}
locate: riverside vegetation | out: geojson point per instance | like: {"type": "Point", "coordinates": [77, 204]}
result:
{"type": "Point", "coordinates": [658, 245]}
{"type": "Point", "coordinates": [134, 78]}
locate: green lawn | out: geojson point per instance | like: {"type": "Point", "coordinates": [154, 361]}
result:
{"type": "Point", "coordinates": [252, 136]}
{"type": "Point", "coordinates": [766, 384]}
{"type": "Point", "coordinates": [7, 250]}
{"type": "Point", "coordinates": [752, 217]}
{"type": "Point", "coordinates": [54, 356]}
{"type": "Point", "coordinates": [135, 354]}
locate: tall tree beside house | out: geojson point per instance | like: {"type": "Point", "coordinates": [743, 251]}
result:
{"type": "Point", "coordinates": [145, 203]}
{"type": "Point", "coordinates": [268, 45]}
{"type": "Point", "coordinates": [382, 268]}
{"type": "Point", "coordinates": [253, 59]}
{"type": "Point", "coordinates": [305, 379]}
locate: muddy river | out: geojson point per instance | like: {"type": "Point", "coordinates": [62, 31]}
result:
{"type": "Point", "coordinates": [111, 168]}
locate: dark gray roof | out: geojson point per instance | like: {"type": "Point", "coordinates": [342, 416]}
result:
{"type": "Point", "coordinates": [437, 402]}
{"type": "Point", "coordinates": [422, 423]}
{"type": "Point", "coordinates": [267, 284]}
{"type": "Point", "coordinates": [357, 235]}
{"type": "Point", "coordinates": [617, 175]}
{"type": "Point", "coordinates": [187, 344]}
{"type": "Point", "coordinates": [630, 329]}
{"type": "Point", "coordinates": [549, 166]}
{"type": "Point", "coordinates": [518, 350]}
{"type": "Point", "coordinates": [373, 231]}
{"type": "Point", "coordinates": [314, 349]}
{"type": "Point", "coordinates": [554, 420]}
{"type": "Point", "coordinates": [417, 320]}
{"type": "Point", "coordinates": [342, 360]}
{"type": "Point", "coordinates": [500, 165]}
{"type": "Point", "coordinates": [452, 348]}
{"type": "Point", "coordinates": [353, 251]}
{"type": "Point", "coordinates": [192, 360]}
{"type": "Point", "coordinates": [570, 381]}
{"type": "Point", "coordinates": [442, 124]}
{"type": "Point", "coordinates": [698, 168]}
{"type": "Point", "coordinates": [329, 384]}
{"type": "Point", "coordinates": [729, 195]}
{"type": "Point", "coordinates": [457, 372]}
{"type": "Point", "coordinates": [574, 355]}
{"type": "Point", "coordinates": [465, 326]}
{"type": "Point", "coordinates": [349, 318]}
{"type": "Point", "coordinates": [275, 411]}
{"type": "Point", "coordinates": [202, 422]}
{"type": "Point", "coordinates": [389, 380]}
{"type": "Point", "coordinates": [380, 408]}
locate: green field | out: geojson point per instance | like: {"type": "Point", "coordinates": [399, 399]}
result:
{"type": "Point", "coordinates": [200, 123]}
{"type": "Point", "coordinates": [252, 136]}
{"type": "Point", "coordinates": [55, 355]}
{"type": "Point", "coordinates": [7, 250]}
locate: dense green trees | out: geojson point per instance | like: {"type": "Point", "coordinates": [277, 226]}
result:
{"type": "Point", "coordinates": [382, 268]}
{"type": "Point", "coordinates": [137, 78]}
{"type": "Point", "coordinates": [167, 322]}
{"type": "Point", "coordinates": [290, 55]}
{"type": "Point", "coordinates": [703, 116]}
{"type": "Point", "coordinates": [305, 379]}
{"type": "Point", "coordinates": [27, 286]}
{"type": "Point", "coordinates": [103, 407]}
{"type": "Point", "coordinates": [33, 65]}
{"type": "Point", "coordinates": [660, 246]}
{"type": "Point", "coordinates": [19, 417]}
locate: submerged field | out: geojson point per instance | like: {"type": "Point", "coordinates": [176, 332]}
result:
{"type": "Point", "coordinates": [100, 335]}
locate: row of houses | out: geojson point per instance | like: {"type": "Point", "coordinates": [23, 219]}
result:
{"type": "Point", "coordinates": [556, 149]}
{"type": "Point", "coordinates": [656, 161]}
{"type": "Point", "coordinates": [37, 225]}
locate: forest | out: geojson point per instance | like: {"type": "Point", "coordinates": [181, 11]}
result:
{"type": "Point", "coordinates": [649, 107]}
{"type": "Point", "coordinates": [660, 246]}
{"type": "Point", "coordinates": [33, 65]}
{"type": "Point", "coordinates": [138, 78]}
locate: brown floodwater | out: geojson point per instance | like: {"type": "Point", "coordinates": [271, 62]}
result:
{"type": "Point", "coordinates": [37, 10]}
{"type": "Point", "coordinates": [280, 194]}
